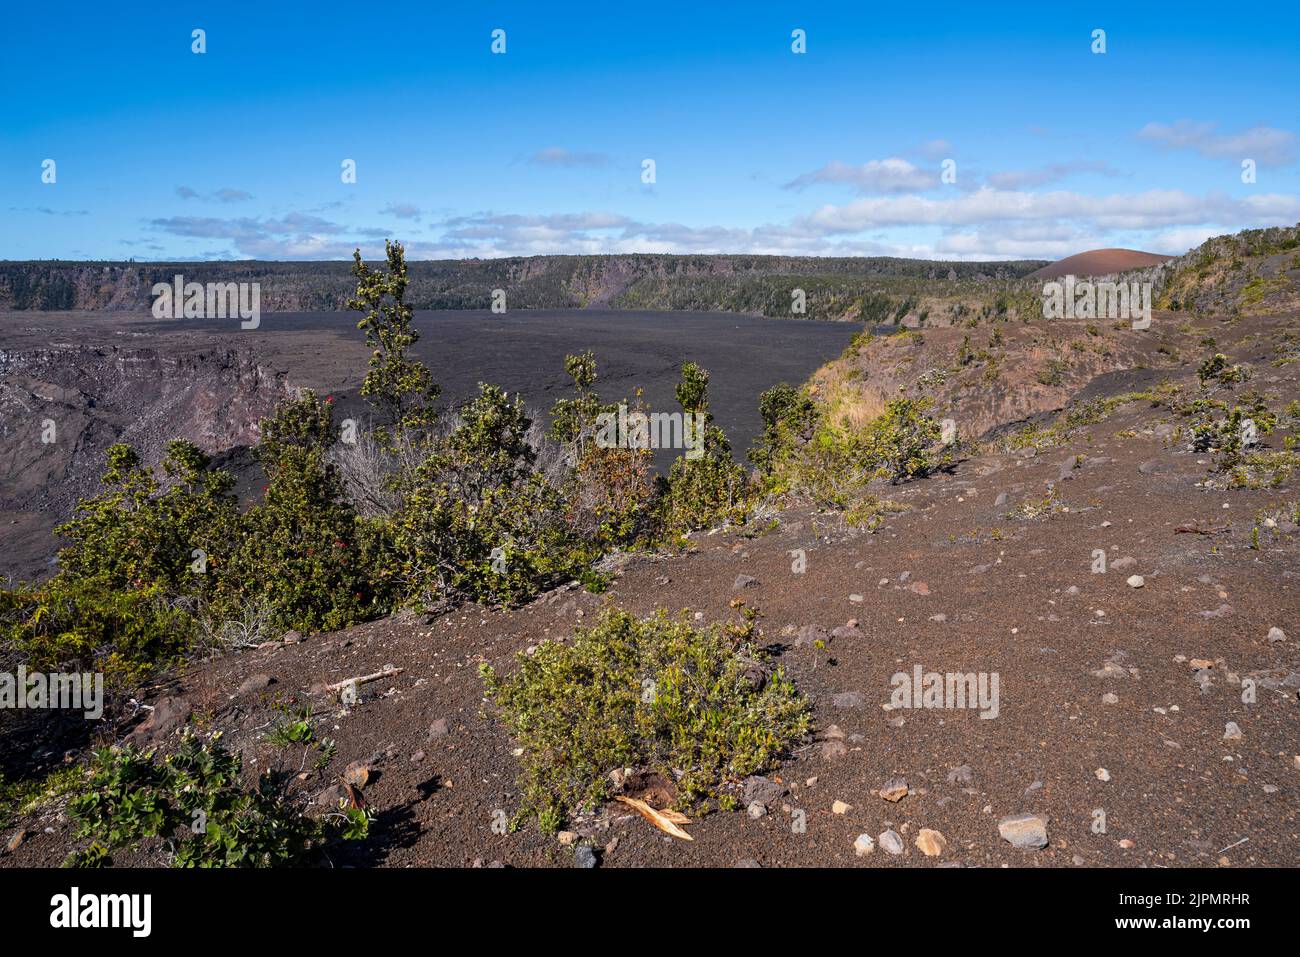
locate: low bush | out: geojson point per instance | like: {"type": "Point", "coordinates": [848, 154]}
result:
{"type": "Point", "coordinates": [195, 803]}
{"type": "Point", "coordinates": [702, 707]}
{"type": "Point", "coordinates": [72, 624]}
{"type": "Point", "coordinates": [135, 536]}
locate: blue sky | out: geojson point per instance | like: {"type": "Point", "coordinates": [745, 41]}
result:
{"type": "Point", "coordinates": [164, 154]}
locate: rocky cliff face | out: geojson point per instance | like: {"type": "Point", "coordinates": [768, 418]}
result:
{"type": "Point", "coordinates": [62, 405]}
{"type": "Point", "coordinates": [1256, 272]}
{"type": "Point", "coordinates": [538, 282]}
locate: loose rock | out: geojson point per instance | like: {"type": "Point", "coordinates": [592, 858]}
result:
{"type": "Point", "coordinates": [931, 842]}
{"type": "Point", "coordinates": [891, 842]}
{"type": "Point", "coordinates": [894, 790]}
{"type": "Point", "coordinates": [1023, 830]}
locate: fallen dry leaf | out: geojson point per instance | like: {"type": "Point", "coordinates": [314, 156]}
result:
{"type": "Point", "coordinates": [666, 821]}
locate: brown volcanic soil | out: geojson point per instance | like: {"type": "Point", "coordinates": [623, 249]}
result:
{"type": "Point", "coordinates": [1099, 262]}
{"type": "Point", "coordinates": [957, 582]}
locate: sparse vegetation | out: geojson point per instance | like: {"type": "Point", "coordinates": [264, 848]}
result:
{"type": "Point", "coordinates": [194, 805]}
{"type": "Point", "coordinates": [701, 707]}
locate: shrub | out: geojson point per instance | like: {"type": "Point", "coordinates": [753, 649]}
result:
{"type": "Point", "coordinates": [302, 551]}
{"type": "Point", "coordinates": [477, 520]}
{"type": "Point", "coordinates": [789, 416]}
{"type": "Point", "coordinates": [193, 801]}
{"type": "Point", "coordinates": [132, 536]}
{"type": "Point", "coordinates": [1218, 369]}
{"type": "Point", "coordinates": [87, 625]}
{"type": "Point", "coordinates": [711, 489]}
{"type": "Point", "coordinates": [653, 694]}
{"type": "Point", "coordinates": [900, 443]}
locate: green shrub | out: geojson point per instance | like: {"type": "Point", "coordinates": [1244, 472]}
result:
{"type": "Point", "coordinates": [302, 551]}
{"type": "Point", "coordinates": [901, 442]}
{"type": "Point", "coordinates": [133, 536]}
{"type": "Point", "coordinates": [1218, 369]}
{"type": "Point", "coordinates": [789, 416]}
{"type": "Point", "coordinates": [195, 803]}
{"type": "Point", "coordinates": [652, 694]}
{"type": "Point", "coordinates": [708, 490]}
{"type": "Point", "coordinates": [86, 625]}
{"type": "Point", "coordinates": [477, 520]}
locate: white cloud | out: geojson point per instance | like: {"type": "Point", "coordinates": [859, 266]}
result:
{"type": "Point", "coordinates": [1144, 210]}
{"type": "Point", "coordinates": [984, 224]}
{"type": "Point", "coordinates": [891, 175]}
{"type": "Point", "coordinates": [1266, 145]}
{"type": "Point", "coordinates": [1053, 172]}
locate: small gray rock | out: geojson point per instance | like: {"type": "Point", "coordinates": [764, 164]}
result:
{"type": "Point", "coordinates": [891, 843]}
{"type": "Point", "coordinates": [1024, 830]}
{"type": "Point", "coordinates": [764, 791]}
{"type": "Point", "coordinates": [960, 775]}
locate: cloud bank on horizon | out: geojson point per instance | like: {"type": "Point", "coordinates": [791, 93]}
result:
{"type": "Point", "coordinates": [303, 132]}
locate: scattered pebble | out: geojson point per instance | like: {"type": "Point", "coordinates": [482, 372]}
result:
{"type": "Point", "coordinates": [1023, 830]}
{"type": "Point", "coordinates": [894, 790]}
{"type": "Point", "coordinates": [891, 842]}
{"type": "Point", "coordinates": [930, 842]}
{"type": "Point", "coordinates": [960, 774]}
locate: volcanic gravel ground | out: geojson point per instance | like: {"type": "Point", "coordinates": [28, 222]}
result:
{"type": "Point", "coordinates": [956, 583]}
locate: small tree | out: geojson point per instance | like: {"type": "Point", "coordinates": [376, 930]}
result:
{"type": "Point", "coordinates": [398, 385]}
{"type": "Point", "coordinates": [303, 550]}
{"type": "Point", "coordinates": [477, 519]}
{"type": "Point", "coordinates": [609, 489]}
{"type": "Point", "coordinates": [711, 488]}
